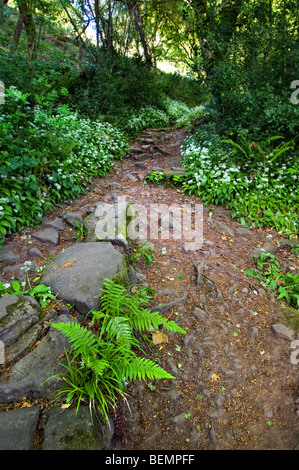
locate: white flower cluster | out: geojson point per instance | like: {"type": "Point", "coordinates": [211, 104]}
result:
{"type": "Point", "coordinates": [210, 165]}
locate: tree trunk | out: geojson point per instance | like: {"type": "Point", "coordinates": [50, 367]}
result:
{"type": "Point", "coordinates": [26, 13]}
{"type": "Point", "coordinates": [138, 23]}
{"type": "Point", "coordinates": [109, 41]}
{"type": "Point", "coordinates": [17, 34]}
{"type": "Point", "coordinates": [1, 12]}
{"type": "Point", "coordinates": [97, 18]}
{"type": "Point", "coordinates": [135, 11]}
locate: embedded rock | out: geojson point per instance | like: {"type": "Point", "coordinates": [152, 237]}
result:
{"type": "Point", "coordinates": [26, 378]}
{"type": "Point", "coordinates": [66, 430]}
{"type": "Point", "coordinates": [57, 224]}
{"type": "Point", "coordinates": [109, 222]}
{"type": "Point", "coordinates": [73, 218]}
{"type": "Point", "coordinates": [282, 331]}
{"type": "Point", "coordinates": [48, 235]}
{"type": "Point", "coordinates": [8, 256]}
{"type": "Point", "coordinates": [77, 274]}
{"type": "Point", "coordinates": [19, 317]}
{"type": "Point", "coordinates": [18, 427]}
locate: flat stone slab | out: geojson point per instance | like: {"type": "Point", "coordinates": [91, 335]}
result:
{"type": "Point", "coordinates": [67, 431]}
{"type": "Point", "coordinates": [26, 377]}
{"type": "Point", "coordinates": [48, 235]}
{"type": "Point", "coordinates": [57, 224]}
{"type": "Point", "coordinates": [18, 428]}
{"type": "Point", "coordinates": [20, 317]}
{"type": "Point", "coordinates": [77, 274]}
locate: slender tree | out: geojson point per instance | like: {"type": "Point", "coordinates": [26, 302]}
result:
{"type": "Point", "coordinates": [26, 12]}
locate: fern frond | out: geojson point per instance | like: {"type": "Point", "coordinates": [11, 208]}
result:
{"type": "Point", "coordinates": [144, 319]}
{"type": "Point", "coordinates": [141, 368]}
{"type": "Point", "coordinates": [82, 340]}
{"type": "Point", "coordinates": [234, 144]}
{"type": "Point", "coordinates": [119, 328]}
{"type": "Point", "coordinates": [99, 366]}
{"type": "Point", "coordinates": [112, 297]}
{"type": "Point", "coordinates": [272, 139]}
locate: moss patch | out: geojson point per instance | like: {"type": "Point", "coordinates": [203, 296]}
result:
{"type": "Point", "coordinates": [292, 317]}
{"type": "Point", "coordinates": [82, 440]}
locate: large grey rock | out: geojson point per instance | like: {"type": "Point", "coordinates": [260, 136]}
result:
{"type": "Point", "coordinates": [26, 377]}
{"type": "Point", "coordinates": [18, 428]}
{"type": "Point", "coordinates": [23, 344]}
{"type": "Point", "coordinates": [5, 303]}
{"type": "Point", "coordinates": [67, 431]}
{"type": "Point", "coordinates": [77, 275]}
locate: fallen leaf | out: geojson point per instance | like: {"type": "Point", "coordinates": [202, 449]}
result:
{"type": "Point", "coordinates": [68, 265]}
{"type": "Point", "coordinates": [66, 405]}
{"type": "Point", "coordinates": [215, 377]}
{"type": "Point", "coordinates": [25, 404]}
{"type": "Point", "coordinates": [158, 337]}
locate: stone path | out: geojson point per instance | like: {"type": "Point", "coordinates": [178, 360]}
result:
{"type": "Point", "coordinates": [235, 387]}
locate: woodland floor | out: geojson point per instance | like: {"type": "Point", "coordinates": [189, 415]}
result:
{"type": "Point", "coordinates": [235, 385]}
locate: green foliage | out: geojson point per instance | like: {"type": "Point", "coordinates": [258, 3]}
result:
{"type": "Point", "coordinates": [155, 177]}
{"type": "Point", "coordinates": [102, 361]}
{"type": "Point", "coordinates": [46, 158]}
{"type": "Point", "coordinates": [258, 181]}
{"type": "Point", "coordinates": [146, 118]}
{"type": "Point", "coordinates": [40, 292]}
{"type": "Point", "coordinates": [271, 275]}
{"type": "Point", "coordinates": [180, 113]}
{"type": "Point", "coordinates": [144, 251]}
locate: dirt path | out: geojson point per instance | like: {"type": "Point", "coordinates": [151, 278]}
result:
{"type": "Point", "coordinates": [235, 385]}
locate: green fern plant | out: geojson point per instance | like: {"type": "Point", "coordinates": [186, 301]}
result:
{"type": "Point", "coordinates": [103, 360]}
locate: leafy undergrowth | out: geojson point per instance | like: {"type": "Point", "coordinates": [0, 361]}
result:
{"type": "Point", "coordinates": [271, 275]}
{"type": "Point", "coordinates": [257, 181]}
{"type": "Point", "coordinates": [175, 113]}
{"type": "Point", "coordinates": [48, 157]}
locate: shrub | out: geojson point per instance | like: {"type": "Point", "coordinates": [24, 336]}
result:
{"type": "Point", "coordinates": [46, 158]}
{"type": "Point", "coordinates": [257, 181]}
